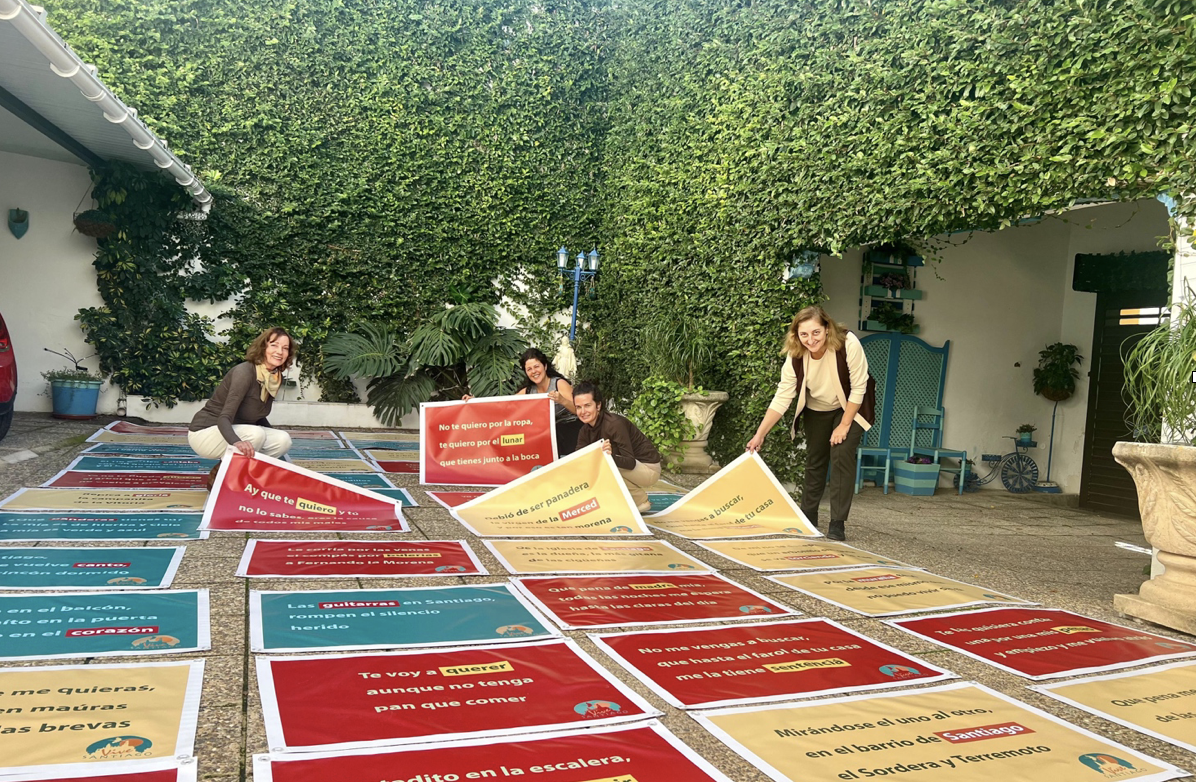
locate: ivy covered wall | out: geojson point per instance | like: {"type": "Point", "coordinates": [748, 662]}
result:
{"type": "Point", "coordinates": [377, 160]}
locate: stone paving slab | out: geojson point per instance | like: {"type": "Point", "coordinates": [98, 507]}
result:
{"type": "Point", "coordinates": [1058, 556]}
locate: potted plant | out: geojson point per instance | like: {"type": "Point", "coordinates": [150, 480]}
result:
{"type": "Point", "coordinates": [1161, 401]}
{"type": "Point", "coordinates": [917, 475]}
{"type": "Point", "coordinates": [681, 352]}
{"type": "Point", "coordinates": [74, 392]}
{"type": "Point", "coordinates": [1055, 377]}
{"type": "Point", "coordinates": [1025, 433]}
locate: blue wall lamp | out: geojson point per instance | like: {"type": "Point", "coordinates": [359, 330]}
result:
{"type": "Point", "coordinates": [18, 222]}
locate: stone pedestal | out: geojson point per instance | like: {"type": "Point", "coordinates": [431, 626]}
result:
{"type": "Point", "coordinates": [1166, 479]}
{"type": "Point", "coordinates": [700, 410]}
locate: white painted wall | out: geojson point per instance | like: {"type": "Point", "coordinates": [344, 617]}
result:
{"type": "Point", "coordinates": [1000, 298]}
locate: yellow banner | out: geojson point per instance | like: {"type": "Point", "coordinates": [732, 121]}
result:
{"type": "Point", "coordinates": [795, 554]}
{"type": "Point", "coordinates": [393, 456]}
{"type": "Point", "coordinates": [593, 556]}
{"type": "Point", "coordinates": [744, 499]}
{"type": "Point", "coordinates": [105, 436]}
{"type": "Point", "coordinates": [956, 733]}
{"type": "Point", "coordinates": [1157, 701]}
{"type": "Point", "coordinates": [92, 714]}
{"type": "Point", "coordinates": [885, 591]}
{"type": "Point", "coordinates": [334, 465]}
{"type": "Point", "coordinates": [581, 494]}
{"type": "Point", "coordinates": [406, 437]}
{"type": "Point", "coordinates": [105, 499]}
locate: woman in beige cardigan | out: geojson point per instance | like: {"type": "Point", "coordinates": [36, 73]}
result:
{"type": "Point", "coordinates": [827, 373]}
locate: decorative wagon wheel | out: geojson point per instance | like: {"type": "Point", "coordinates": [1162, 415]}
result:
{"type": "Point", "coordinates": [1019, 473]}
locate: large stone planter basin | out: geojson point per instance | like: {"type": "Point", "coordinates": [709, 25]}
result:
{"type": "Point", "coordinates": [1166, 479]}
{"type": "Point", "coordinates": [700, 410]}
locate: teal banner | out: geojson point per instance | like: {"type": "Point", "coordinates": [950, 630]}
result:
{"type": "Point", "coordinates": [402, 495]}
{"type": "Point", "coordinates": [388, 445]}
{"type": "Point", "coordinates": [323, 453]}
{"type": "Point", "coordinates": [101, 624]}
{"type": "Point", "coordinates": [364, 480]}
{"type": "Point", "coordinates": [140, 449]}
{"type": "Point", "coordinates": [65, 525]}
{"type": "Point", "coordinates": [88, 568]}
{"type": "Point", "coordinates": [390, 618]}
{"type": "Point", "coordinates": [114, 463]}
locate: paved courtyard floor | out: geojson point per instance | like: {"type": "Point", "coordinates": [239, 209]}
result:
{"type": "Point", "coordinates": [1058, 556]}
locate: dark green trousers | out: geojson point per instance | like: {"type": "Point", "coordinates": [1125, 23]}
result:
{"type": "Point", "coordinates": [818, 426]}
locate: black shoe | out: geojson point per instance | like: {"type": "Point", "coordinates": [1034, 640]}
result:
{"type": "Point", "coordinates": [835, 531]}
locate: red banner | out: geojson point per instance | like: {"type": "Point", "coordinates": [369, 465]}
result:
{"type": "Point", "coordinates": [165, 775]}
{"type": "Point", "coordinates": [1045, 643]}
{"type": "Point", "coordinates": [610, 601]}
{"type": "Point", "coordinates": [451, 499]}
{"type": "Point", "coordinates": [485, 442]}
{"type": "Point", "coordinates": [75, 479]}
{"type": "Point", "coordinates": [719, 666]}
{"type": "Point", "coordinates": [332, 558]}
{"type": "Point", "coordinates": [127, 427]}
{"type": "Point", "coordinates": [643, 753]}
{"type": "Point", "coordinates": [267, 495]}
{"type": "Point", "coordinates": [410, 468]}
{"type": "Point", "coordinates": [355, 700]}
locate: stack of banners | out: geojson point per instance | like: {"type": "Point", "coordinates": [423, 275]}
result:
{"type": "Point", "coordinates": [661, 500]}
{"type": "Point", "coordinates": [106, 436]}
{"type": "Point", "coordinates": [577, 602]}
{"type": "Point", "coordinates": [1045, 643]}
{"type": "Point", "coordinates": [334, 465]}
{"type": "Point", "coordinates": [305, 434]}
{"type": "Point", "coordinates": [913, 735]}
{"type": "Point", "coordinates": [794, 554]}
{"type": "Point", "coordinates": [103, 624]}
{"type": "Point", "coordinates": [358, 558]}
{"type": "Point", "coordinates": [138, 449]}
{"type": "Point", "coordinates": [451, 499]}
{"type": "Point", "coordinates": [592, 556]}
{"type": "Point", "coordinates": [324, 453]}
{"type": "Point", "coordinates": [391, 618]}
{"type": "Point", "coordinates": [104, 500]}
{"type": "Point", "coordinates": [99, 526]}
{"type": "Point", "coordinates": [88, 568]}
{"type": "Point", "coordinates": [128, 427]}
{"type": "Point", "coordinates": [374, 434]}
{"type": "Point", "coordinates": [263, 494]}
{"type": "Point", "coordinates": [401, 496]}
{"type": "Point", "coordinates": [395, 464]}
{"type": "Point", "coordinates": [644, 752]}
{"type": "Point", "coordinates": [1159, 702]}
{"type": "Point", "coordinates": [485, 442]}
{"type": "Point", "coordinates": [93, 720]}
{"type": "Point", "coordinates": [888, 591]}
{"type": "Point", "coordinates": [363, 444]}
{"type": "Point", "coordinates": [391, 456]}
{"type": "Point", "coordinates": [768, 661]}
{"type": "Point", "coordinates": [742, 500]}
{"type": "Point", "coordinates": [343, 701]}
{"type": "Point", "coordinates": [80, 479]}
{"type": "Point", "coordinates": [581, 494]}
{"type": "Point", "coordinates": [119, 463]}
{"type": "Point", "coordinates": [363, 480]}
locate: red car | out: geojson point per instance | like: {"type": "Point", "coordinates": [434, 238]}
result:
{"type": "Point", "coordinates": [8, 379]}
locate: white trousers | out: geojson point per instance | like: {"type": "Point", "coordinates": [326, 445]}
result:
{"type": "Point", "coordinates": [638, 479]}
{"type": "Point", "coordinates": [210, 444]}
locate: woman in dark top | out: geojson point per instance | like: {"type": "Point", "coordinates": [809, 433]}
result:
{"type": "Point", "coordinates": [634, 454]}
{"type": "Point", "coordinates": [542, 378]}
{"type": "Point", "coordinates": [235, 416]}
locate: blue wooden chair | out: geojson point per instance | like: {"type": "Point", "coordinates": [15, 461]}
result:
{"type": "Point", "coordinates": [910, 373]}
{"type": "Point", "coordinates": [927, 439]}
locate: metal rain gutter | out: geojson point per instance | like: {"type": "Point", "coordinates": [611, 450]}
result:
{"type": "Point", "coordinates": [29, 21]}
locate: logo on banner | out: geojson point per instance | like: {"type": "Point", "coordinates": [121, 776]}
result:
{"type": "Point", "coordinates": [156, 642]}
{"type": "Point", "coordinates": [982, 732]}
{"type": "Point", "coordinates": [597, 709]}
{"type": "Point", "coordinates": [900, 671]}
{"type": "Point", "coordinates": [119, 747]}
{"type": "Point", "coordinates": [1110, 766]}
{"type": "Point", "coordinates": [315, 507]}
{"type": "Point", "coordinates": [579, 510]}
{"type": "Point", "coordinates": [621, 529]}
{"type": "Point", "coordinates": [450, 568]}
{"type": "Point", "coordinates": [513, 631]}
{"type": "Point", "coordinates": [126, 580]}
{"type": "Point", "coordinates": [1072, 629]}
{"type": "Point", "coordinates": [807, 665]}
{"type": "Point", "coordinates": [681, 566]}
{"type": "Point", "coordinates": [755, 609]}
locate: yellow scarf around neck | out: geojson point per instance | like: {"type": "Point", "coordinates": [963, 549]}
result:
{"type": "Point", "coordinates": [271, 381]}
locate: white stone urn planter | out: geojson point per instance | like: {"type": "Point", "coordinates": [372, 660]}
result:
{"type": "Point", "coordinates": [1166, 479]}
{"type": "Point", "coordinates": [700, 410]}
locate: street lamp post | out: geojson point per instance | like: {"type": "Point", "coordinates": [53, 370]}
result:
{"type": "Point", "coordinates": [578, 273]}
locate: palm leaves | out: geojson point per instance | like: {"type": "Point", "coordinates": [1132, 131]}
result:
{"type": "Point", "coordinates": [458, 349]}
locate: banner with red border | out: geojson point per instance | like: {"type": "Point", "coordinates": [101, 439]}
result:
{"type": "Point", "coordinates": [358, 559]}
{"type": "Point", "coordinates": [451, 499]}
{"type": "Point", "coordinates": [1044, 643]}
{"type": "Point", "coordinates": [486, 441]}
{"type": "Point", "coordinates": [578, 602]}
{"type": "Point", "coordinates": [345, 701]}
{"type": "Point", "coordinates": [264, 494]}
{"type": "Point", "coordinates": [694, 668]}
{"type": "Point", "coordinates": [643, 752]}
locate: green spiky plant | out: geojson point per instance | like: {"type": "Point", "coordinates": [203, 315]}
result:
{"type": "Point", "coordinates": [1158, 379]}
{"type": "Point", "coordinates": [458, 350]}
